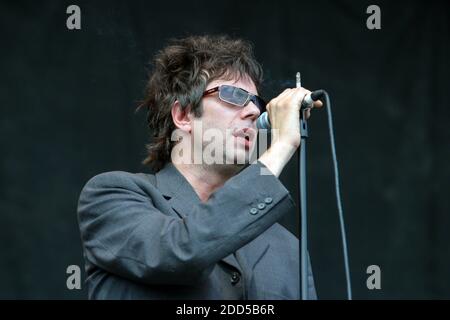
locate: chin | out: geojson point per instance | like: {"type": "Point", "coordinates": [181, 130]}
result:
{"type": "Point", "coordinates": [241, 160]}
{"type": "Point", "coordinates": [238, 157]}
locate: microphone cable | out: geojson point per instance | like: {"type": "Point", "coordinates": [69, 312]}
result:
{"type": "Point", "coordinates": [316, 95]}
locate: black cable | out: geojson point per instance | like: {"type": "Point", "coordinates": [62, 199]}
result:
{"type": "Point", "coordinates": [316, 95]}
{"type": "Point", "coordinates": [338, 195]}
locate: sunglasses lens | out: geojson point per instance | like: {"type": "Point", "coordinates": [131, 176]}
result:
{"type": "Point", "coordinates": [233, 95]}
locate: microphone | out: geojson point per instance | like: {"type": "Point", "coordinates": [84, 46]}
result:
{"type": "Point", "coordinates": [263, 121]}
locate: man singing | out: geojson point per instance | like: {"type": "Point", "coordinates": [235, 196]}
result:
{"type": "Point", "coordinates": [204, 226]}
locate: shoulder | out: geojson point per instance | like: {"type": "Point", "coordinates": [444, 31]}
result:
{"type": "Point", "coordinates": [140, 183]}
{"type": "Point", "coordinates": [113, 190]}
{"type": "Point", "coordinates": [119, 178]}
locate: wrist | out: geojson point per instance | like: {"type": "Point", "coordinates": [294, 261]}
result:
{"type": "Point", "coordinates": [277, 156]}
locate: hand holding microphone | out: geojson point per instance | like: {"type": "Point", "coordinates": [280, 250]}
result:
{"type": "Point", "coordinates": [283, 116]}
{"type": "Point", "coordinates": [283, 113]}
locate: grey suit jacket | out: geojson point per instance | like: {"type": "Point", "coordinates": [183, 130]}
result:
{"type": "Point", "coordinates": [150, 237]}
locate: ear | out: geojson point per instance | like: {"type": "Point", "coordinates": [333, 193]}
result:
{"type": "Point", "coordinates": [182, 118]}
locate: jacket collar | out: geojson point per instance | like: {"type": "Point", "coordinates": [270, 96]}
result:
{"type": "Point", "coordinates": [172, 184]}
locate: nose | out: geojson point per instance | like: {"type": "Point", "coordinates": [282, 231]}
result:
{"type": "Point", "coordinates": [250, 111]}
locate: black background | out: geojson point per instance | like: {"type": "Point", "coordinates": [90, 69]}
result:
{"type": "Point", "coordinates": [67, 113]}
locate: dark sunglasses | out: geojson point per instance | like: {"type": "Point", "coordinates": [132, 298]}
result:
{"type": "Point", "coordinates": [237, 96]}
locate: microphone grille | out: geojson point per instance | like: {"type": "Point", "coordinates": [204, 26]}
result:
{"type": "Point", "coordinates": [263, 121]}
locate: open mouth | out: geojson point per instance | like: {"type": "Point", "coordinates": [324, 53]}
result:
{"type": "Point", "coordinates": [245, 133]}
{"type": "Point", "coordinates": [246, 136]}
{"type": "Point", "coordinates": [246, 141]}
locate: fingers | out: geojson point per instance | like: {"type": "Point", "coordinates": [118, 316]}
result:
{"type": "Point", "coordinates": [295, 95]}
{"type": "Point", "coordinates": [281, 96]}
{"type": "Point", "coordinates": [302, 92]}
{"type": "Point", "coordinates": [299, 93]}
{"type": "Point", "coordinates": [308, 113]}
{"type": "Point", "coordinates": [318, 104]}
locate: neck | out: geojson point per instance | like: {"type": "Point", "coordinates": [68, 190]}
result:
{"type": "Point", "coordinates": [205, 179]}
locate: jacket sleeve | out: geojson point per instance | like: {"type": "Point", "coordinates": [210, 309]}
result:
{"type": "Point", "coordinates": [125, 234]}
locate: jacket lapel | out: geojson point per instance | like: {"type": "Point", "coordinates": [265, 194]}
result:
{"type": "Point", "coordinates": [181, 197]}
{"type": "Point", "coordinates": [176, 189]}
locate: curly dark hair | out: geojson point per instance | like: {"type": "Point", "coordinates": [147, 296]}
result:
{"type": "Point", "coordinates": [181, 71]}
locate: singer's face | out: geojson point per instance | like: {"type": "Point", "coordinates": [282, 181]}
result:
{"type": "Point", "coordinates": [229, 123]}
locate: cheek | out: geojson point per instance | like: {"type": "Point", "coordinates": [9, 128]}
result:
{"type": "Point", "coordinates": [220, 118]}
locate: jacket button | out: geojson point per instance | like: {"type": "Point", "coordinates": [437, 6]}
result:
{"type": "Point", "coordinates": [253, 211]}
{"type": "Point", "coordinates": [235, 277]}
{"type": "Point", "coordinates": [261, 206]}
{"type": "Point", "coordinates": [268, 200]}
